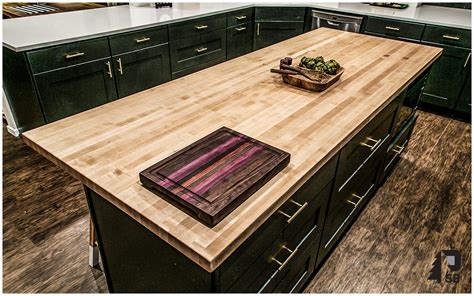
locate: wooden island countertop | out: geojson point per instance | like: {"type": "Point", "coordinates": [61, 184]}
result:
{"type": "Point", "coordinates": [106, 147]}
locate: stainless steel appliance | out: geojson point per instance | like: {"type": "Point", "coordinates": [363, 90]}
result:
{"type": "Point", "coordinates": [335, 21]}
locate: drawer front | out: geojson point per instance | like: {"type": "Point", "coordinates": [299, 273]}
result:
{"type": "Point", "coordinates": [68, 55]}
{"type": "Point", "coordinates": [392, 28]}
{"type": "Point", "coordinates": [447, 36]}
{"type": "Point", "coordinates": [344, 206]}
{"type": "Point", "coordinates": [138, 40]}
{"type": "Point", "coordinates": [284, 264]}
{"type": "Point", "coordinates": [194, 28]}
{"type": "Point", "coordinates": [188, 54]}
{"type": "Point", "coordinates": [239, 17]}
{"type": "Point", "coordinates": [363, 145]}
{"type": "Point", "coordinates": [239, 40]}
{"type": "Point", "coordinates": [397, 147]}
{"type": "Point", "coordinates": [141, 69]}
{"type": "Point", "coordinates": [280, 13]}
{"type": "Point", "coordinates": [304, 211]}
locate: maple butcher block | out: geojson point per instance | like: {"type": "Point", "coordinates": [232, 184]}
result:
{"type": "Point", "coordinates": [343, 142]}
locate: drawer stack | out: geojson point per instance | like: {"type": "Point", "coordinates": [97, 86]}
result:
{"type": "Point", "coordinates": [281, 254]}
{"type": "Point", "coordinates": [357, 175]}
{"type": "Point", "coordinates": [239, 32]}
{"type": "Point", "coordinates": [197, 44]}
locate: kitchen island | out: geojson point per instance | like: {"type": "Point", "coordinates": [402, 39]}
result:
{"type": "Point", "coordinates": [148, 244]}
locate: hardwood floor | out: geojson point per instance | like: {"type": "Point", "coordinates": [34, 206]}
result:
{"type": "Point", "coordinates": [424, 207]}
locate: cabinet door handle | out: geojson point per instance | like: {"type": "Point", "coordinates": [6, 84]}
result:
{"type": "Point", "coordinates": [240, 29]}
{"type": "Point", "coordinates": [241, 17]}
{"type": "Point", "coordinates": [143, 39]}
{"type": "Point", "coordinates": [451, 37]}
{"type": "Point", "coordinates": [392, 28]}
{"type": "Point", "coordinates": [200, 50]}
{"type": "Point", "coordinates": [372, 147]}
{"type": "Point", "coordinates": [201, 27]}
{"type": "Point", "coordinates": [120, 69]}
{"type": "Point", "coordinates": [109, 69]}
{"type": "Point", "coordinates": [360, 198]}
{"type": "Point", "coordinates": [467, 60]}
{"type": "Point", "coordinates": [288, 259]}
{"type": "Point", "coordinates": [258, 29]}
{"type": "Point", "coordinates": [292, 217]}
{"type": "Point", "coordinates": [74, 55]}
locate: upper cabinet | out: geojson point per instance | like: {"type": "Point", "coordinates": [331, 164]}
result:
{"type": "Point", "coordinates": [275, 24]}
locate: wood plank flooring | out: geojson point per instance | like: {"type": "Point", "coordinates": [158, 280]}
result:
{"type": "Point", "coordinates": [424, 207]}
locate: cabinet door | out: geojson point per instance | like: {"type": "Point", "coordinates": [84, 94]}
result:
{"type": "Point", "coordinates": [446, 78]}
{"type": "Point", "coordinates": [239, 40]}
{"type": "Point", "coordinates": [71, 90]}
{"type": "Point", "coordinates": [141, 69]}
{"type": "Point", "coordinates": [268, 33]}
{"type": "Point", "coordinates": [464, 101]}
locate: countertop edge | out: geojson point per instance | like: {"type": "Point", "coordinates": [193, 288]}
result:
{"type": "Point", "coordinates": [163, 23]}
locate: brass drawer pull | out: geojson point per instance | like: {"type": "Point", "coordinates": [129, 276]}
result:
{"type": "Point", "coordinates": [258, 29]}
{"type": "Point", "coordinates": [201, 27]}
{"type": "Point", "coordinates": [109, 69]}
{"type": "Point", "coordinates": [120, 69]}
{"type": "Point", "coordinates": [202, 49]}
{"type": "Point", "coordinates": [292, 217]}
{"type": "Point", "coordinates": [240, 29]}
{"type": "Point", "coordinates": [392, 28]}
{"type": "Point", "coordinates": [74, 55]}
{"type": "Point", "coordinates": [372, 147]}
{"type": "Point", "coordinates": [241, 17]}
{"type": "Point", "coordinates": [467, 60]}
{"type": "Point", "coordinates": [398, 149]}
{"type": "Point", "coordinates": [360, 198]}
{"type": "Point", "coordinates": [451, 37]}
{"type": "Point", "coordinates": [288, 259]}
{"type": "Point", "coordinates": [143, 39]}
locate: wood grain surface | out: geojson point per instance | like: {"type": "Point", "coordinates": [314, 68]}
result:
{"type": "Point", "coordinates": [214, 175]}
{"type": "Point", "coordinates": [106, 147]}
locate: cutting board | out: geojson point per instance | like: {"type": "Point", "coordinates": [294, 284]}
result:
{"type": "Point", "coordinates": [214, 175]}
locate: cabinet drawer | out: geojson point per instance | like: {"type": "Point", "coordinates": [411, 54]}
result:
{"type": "Point", "coordinates": [188, 54]}
{"type": "Point", "coordinates": [138, 40]}
{"type": "Point", "coordinates": [237, 273]}
{"type": "Point", "coordinates": [393, 28]}
{"type": "Point", "coordinates": [196, 27]}
{"type": "Point", "coordinates": [280, 13]}
{"type": "Point", "coordinates": [68, 55]}
{"type": "Point", "coordinates": [364, 144]}
{"type": "Point", "coordinates": [447, 36]}
{"type": "Point", "coordinates": [239, 40]}
{"type": "Point", "coordinates": [397, 147]}
{"type": "Point", "coordinates": [239, 17]}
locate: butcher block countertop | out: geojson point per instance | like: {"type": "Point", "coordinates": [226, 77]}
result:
{"type": "Point", "coordinates": [107, 147]}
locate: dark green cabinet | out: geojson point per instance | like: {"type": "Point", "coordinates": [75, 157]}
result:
{"type": "Point", "coordinates": [446, 78]}
{"type": "Point", "coordinates": [268, 33]}
{"type": "Point", "coordinates": [67, 91]}
{"type": "Point", "coordinates": [239, 40]}
{"type": "Point", "coordinates": [141, 69]}
{"type": "Point", "coordinates": [464, 101]}
{"type": "Point", "coordinates": [394, 29]}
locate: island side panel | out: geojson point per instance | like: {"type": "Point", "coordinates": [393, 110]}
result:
{"type": "Point", "coordinates": [137, 261]}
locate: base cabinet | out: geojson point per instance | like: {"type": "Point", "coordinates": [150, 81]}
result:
{"type": "Point", "coordinates": [74, 89]}
{"type": "Point", "coordinates": [141, 69]}
{"type": "Point", "coordinates": [268, 33]}
{"type": "Point", "coordinates": [239, 40]}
